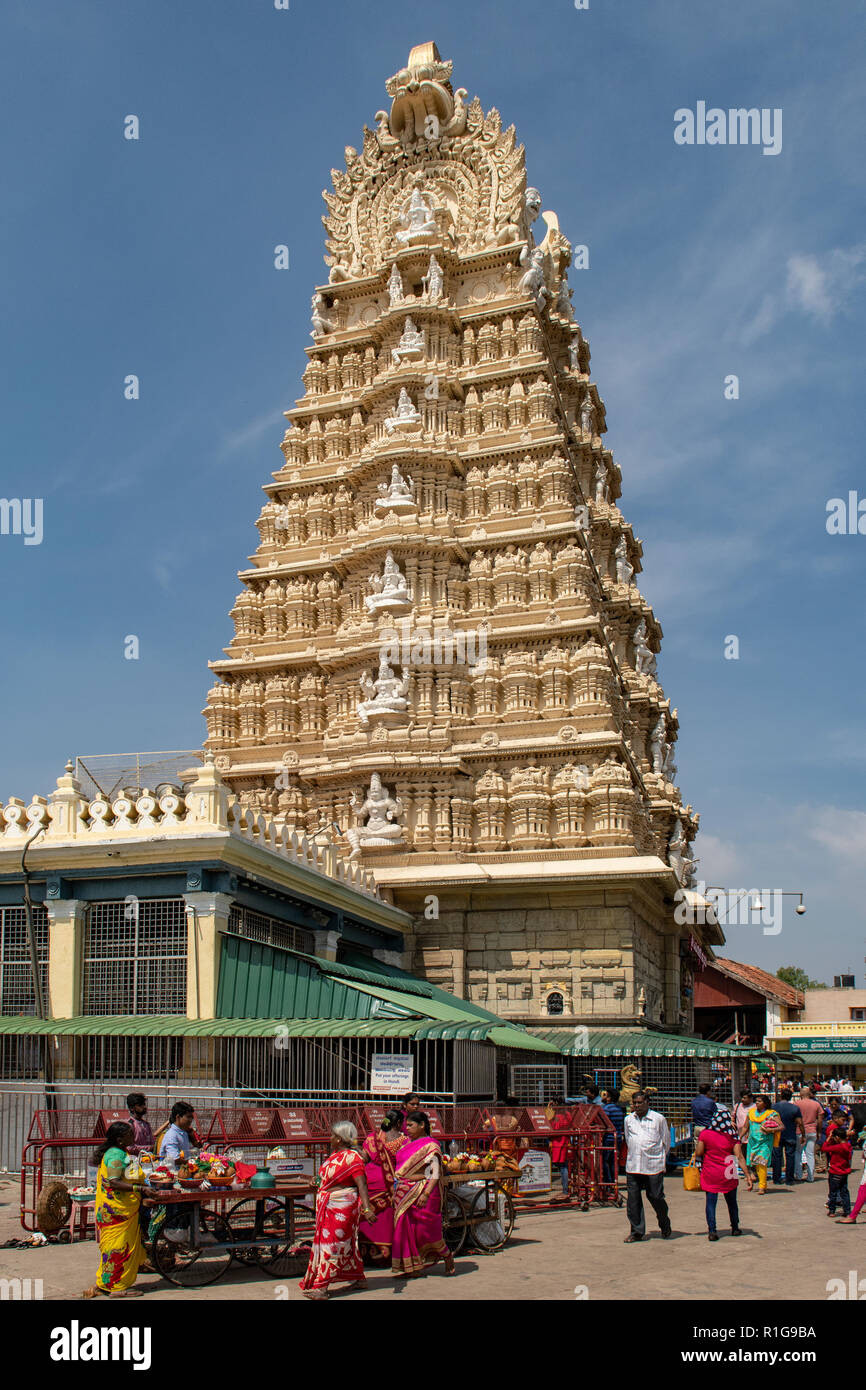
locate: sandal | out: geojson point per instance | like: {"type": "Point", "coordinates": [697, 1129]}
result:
{"type": "Point", "coordinates": [316, 1295]}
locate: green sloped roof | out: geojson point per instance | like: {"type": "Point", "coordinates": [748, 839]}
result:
{"type": "Point", "coordinates": [638, 1042]}
{"type": "Point", "coordinates": [826, 1059]}
{"type": "Point", "coordinates": [177, 1026]}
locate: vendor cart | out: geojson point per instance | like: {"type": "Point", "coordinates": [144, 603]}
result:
{"type": "Point", "coordinates": [478, 1208]}
{"type": "Point", "coordinates": [251, 1225]}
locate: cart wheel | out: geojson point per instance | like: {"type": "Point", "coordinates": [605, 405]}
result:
{"type": "Point", "coordinates": [491, 1223]}
{"type": "Point", "coordinates": [242, 1222]}
{"type": "Point", "coordinates": [454, 1222]}
{"type": "Point", "coordinates": [192, 1269]}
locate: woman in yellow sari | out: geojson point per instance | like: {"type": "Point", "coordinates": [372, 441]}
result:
{"type": "Point", "coordinates": [118, 1199]}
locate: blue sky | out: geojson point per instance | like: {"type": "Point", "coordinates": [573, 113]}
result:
{"type": "Point", "coordinates": [156, 258]}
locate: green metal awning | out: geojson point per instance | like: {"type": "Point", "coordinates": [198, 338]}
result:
{"type": "Point", "coordinates": [639, 1042]}
{"type": "Point", "coordinates": [825, 1059]}
{"type": "Point", "coordinates": [178, 1026]}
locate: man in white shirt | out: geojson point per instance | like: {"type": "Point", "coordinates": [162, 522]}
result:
{"type": "Point", "coordinates": [648, 1138]}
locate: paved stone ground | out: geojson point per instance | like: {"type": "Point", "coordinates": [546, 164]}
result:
{"type": "Point", "coordinates": [790, 1250]}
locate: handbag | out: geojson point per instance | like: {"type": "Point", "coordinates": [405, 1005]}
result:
{"type": "Point", "coordinates": [692, 1176]}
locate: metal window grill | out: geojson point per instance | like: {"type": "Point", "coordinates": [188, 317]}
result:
{"type": "Point", "coordinates": [16, 976]}
{"type": "Point", "coordinates": [535, 1085]}
{"type": "Point", "coordinates": [134, 958]}
{"type": "Point", "coordinates": [151, 1059]}
{"type": "Point", "coordinates": [256, 926]}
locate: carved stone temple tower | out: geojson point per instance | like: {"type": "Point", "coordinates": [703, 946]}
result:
{"type": "Point", "coordinates": [441, 657]}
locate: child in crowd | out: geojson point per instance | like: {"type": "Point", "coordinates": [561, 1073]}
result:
{"type": "Point", "coordinates": [838, 1151]}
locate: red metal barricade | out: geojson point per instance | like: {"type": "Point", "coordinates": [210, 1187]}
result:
{"type": "Point", "coordinates": [304, 1131]}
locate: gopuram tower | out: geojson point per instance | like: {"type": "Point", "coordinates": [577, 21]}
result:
{"type": "Point", "coordinates": [442, 661]}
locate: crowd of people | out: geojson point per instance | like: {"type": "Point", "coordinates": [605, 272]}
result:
{"type": "Point", "coordinates": [379, 1201]}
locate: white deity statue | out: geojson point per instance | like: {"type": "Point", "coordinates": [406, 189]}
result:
{"type": "Point", "coordinates": [574, 353]}
{"type": "Point", "coordinates": [563, 299]}
{"type": "Point", "coordinates": [411, 344]}
{"type": "Point", "coordinates": [677, 844]}
{"type": "Point", "coordinates": [375, 819]}
{"type": "Point", "coordinates": [395, 287]}
{"type": "Point", "coordinates": [532, 280]}
{"type": "Point", "coordinates": [384, 698]}
{"type": "Point", "coordinates": [406, 418]}
{"type": "Point", "coordinates": [434, 280]}
{"type": "Point", "coordinates": [398, 495]}
{"type": "Point", "coordinates": [587, 423]}
{"type": "Point", "coordinates": [681, 857]}
{"type": "Point", "coordinates": [624, 570]}
{"type": "Point", "coordinates": [644, 657]}
{"type": "Point", "coordinates": [658, 745]}
{"type": "Point", "coordinates": [390, 590]}
{"type": "Point", "coordinates": [418, 222]}
{"type": "Point", "coordinates": [669, 767]}
{"type": "Point", "coordinates": [601, 491]}
{"type": "Point", "coordinates": [532, 204]}
{"type": "Point", "coordinates": [321, 323]}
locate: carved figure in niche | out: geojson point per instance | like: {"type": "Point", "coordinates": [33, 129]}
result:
{"type": "Point", "coordinates": [624, 570]}
{"type": "Point", "coordinates": [601, 492]}
{"type": "Point", "coordinates": [417, 222]}
{"type": "Point", "coordinates": [669, 767]}
{"type": "Point", "coordinates": [574, 355]}
{"type": "Point", "coordinates": [563, 299]}
{"type": "Point", "coordinates": [434, 280]}
{"type": "Point", "coordinates": [321, 323]}
{"type": "Point", "coordinates": [644, 657]}
{"type": "Point", "coordinates": [407, 417]}
{"type": "Point", "coordinates": [385, 696]}
{"type": "Point", "coordinates": [411, 344]}
{"type": "Point", "coordinates": [587, 421]}
{"type": "Point", "coordinates": [395, 287]}
{"type": "Point", "coordinates": [532, 280]}
{"type": "Point", "coordinates": [398, 495]}
{"type": "Point", "coordinates": [680, 856]}
{"type": "Point", "coordinates": [375, 818]}
{"type": "Point", "coordinates": [658, 745]}
{"type": "Point", "coordinates": [390, 590]}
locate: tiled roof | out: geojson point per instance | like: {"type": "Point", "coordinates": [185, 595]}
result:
{"type": "Point", "coordinates": [761, 980]}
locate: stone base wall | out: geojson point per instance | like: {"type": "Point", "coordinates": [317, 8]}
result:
{"type": "Point", "coordinates": [611, 955]}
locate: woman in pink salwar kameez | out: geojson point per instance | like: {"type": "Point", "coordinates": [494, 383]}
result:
{"type": "Point", "coordinates": [418, 1241]}
{"type": "Point", "coordinates": [380, 1151]}
{"type": "Point", "coordinates": [342, 1196]}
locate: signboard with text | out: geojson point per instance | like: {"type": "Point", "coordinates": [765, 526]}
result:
{"type": "Point", "coordinates": [391, 1073]}
{"type": "Point", "coordinates": [295, 1124]}
{"type": "Point", "coordinates": [834, 1044]}
{"type": "Point", "coordinates": [534, 1172]}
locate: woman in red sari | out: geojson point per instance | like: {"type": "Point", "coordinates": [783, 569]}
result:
{"type": "Point", "coordinates": [341, 1197]}
{"type": "Point", "coordinates": [418, 1241]}
{"type": "Point", "coordinates": [380, 1150]}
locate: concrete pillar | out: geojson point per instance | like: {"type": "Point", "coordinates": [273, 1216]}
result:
{"type": "Point", "coordinates": [207, 918]}
{"type": "Point", "coordinates": [326, 942]}
{"type": "Point", "coordinates": [65, 944]}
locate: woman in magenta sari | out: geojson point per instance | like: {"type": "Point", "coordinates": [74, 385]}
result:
{"type": "Point", "coordinates": [341, 1198]}
{"type": "Point", "coordinates": [418, 1241]}
{"type": "Point", "coordinates": [380, 1150]}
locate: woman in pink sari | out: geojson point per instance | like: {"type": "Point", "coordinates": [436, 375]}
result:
{"type": "Point", "coordinates": [341, 1197]}
{"type": "Point", "coordinates": [380, 1150]}
{"type": "Point", "coordinates": [418, 1241]}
